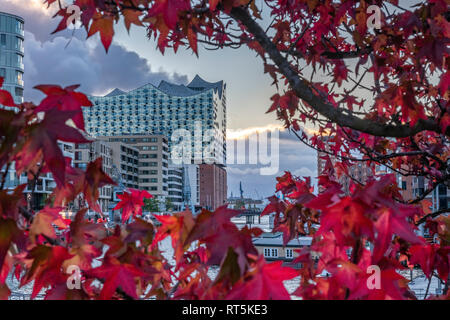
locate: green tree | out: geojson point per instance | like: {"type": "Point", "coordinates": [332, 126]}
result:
{"type": "Point", "coordinates": [152, 204]}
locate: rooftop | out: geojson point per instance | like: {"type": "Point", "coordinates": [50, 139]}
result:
{"type": "Point", "coordinates": [276, 239]}
{"type": "Point", "coordinates": [196, 86]}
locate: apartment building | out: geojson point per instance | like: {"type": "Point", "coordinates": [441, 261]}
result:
{"type": "Point", "coordinates": [45, 184]}
{"type": "Point", "coordinates": [175, 199]}
{"type": "Point", "coordinates": [11, 54]}
{"type": "Point", "coordinates": [125, 158]}
{"type": "Point", "coordinates": [150, 163]}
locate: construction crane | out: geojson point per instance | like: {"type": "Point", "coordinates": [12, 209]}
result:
{"type": "Point", "coordinates": [187, 191]}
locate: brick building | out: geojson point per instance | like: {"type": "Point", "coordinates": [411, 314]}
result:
{"type": "Point", "coordinates": [213, 186]}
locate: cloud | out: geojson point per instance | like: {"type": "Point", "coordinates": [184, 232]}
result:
{"type": "Point", "coordinates": [85, 62]}
{"type": "Point", "coordinates": [67, 58]}
{"type": "Point", "coordinates": [294, 156]}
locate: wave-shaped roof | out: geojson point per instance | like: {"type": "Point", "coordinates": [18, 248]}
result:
{"type": "Point", "coordinates": [196, 86]}
{"type": "Point", "coordinates": [115, 92]}
{"type": "Point", "coordinates": [199, 84]}
{"type": "Point", "coordinates": [176, 89]}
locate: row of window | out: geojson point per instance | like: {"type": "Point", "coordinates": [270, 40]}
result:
{"type": "Point", "coordinates": [273, 253]}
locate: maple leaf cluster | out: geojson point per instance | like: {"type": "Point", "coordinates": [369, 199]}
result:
{"type": "Point", "coordinates": [352, 233]}
{"type": "Point", "coordinates": [403, 125]}
{"type": "Point", "coordinates": [323, 58]}
{"type": "Point", "coordinates": [41, 247]}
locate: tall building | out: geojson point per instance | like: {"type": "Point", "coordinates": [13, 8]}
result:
{"type": "Point", "coordinates": [11, 54]}
{"type": "Point", "coordinates": [192, 116]}
{"type": "Point", "coordinates": [44, 184]}
{"type": "Point", "coordinates": [213, 186]}
{"type": "Point", "coordinates": [145, 159]}
{"type": "Point", "coordinates": [152, 160]}
{"type": "Point", "coordinates": [198, 110]}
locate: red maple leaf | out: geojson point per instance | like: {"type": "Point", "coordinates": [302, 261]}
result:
{"type": "Point", "coordinates": [131, 203]}
{"type": "Point", "coordinates": [116, 275]}
{"type": "Point", "coordinates": [265, 282]}
{"type": "Point", "coordinates": [104, 25]}
{"type": "Point", "coordinates": [64, 99]}
{"type": "Point", "coordinates": [42, 140]}
{"type": "Point", "coordinates": [46, 268]}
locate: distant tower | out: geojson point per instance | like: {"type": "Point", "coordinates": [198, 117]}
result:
{"type": "Point", "coordinates": [240, 190]}
{"type": "Point", "coordinates": [187, 191]}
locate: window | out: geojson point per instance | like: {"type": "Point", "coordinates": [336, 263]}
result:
{"type": "Point", "coordinates": [19, 77]}
{"type": "Point", "coordinates": [270, 252]}
{"type": "Point", "coordinates": [274, 252]}
{"type": "Point", "coordinates": [3, 39]}
{"type": "Point", "coordinates": [289, 253]}
{"type": "Point", "coordinates": [2, 72]}
{"type": "Point", "coordinates": [19, 92]}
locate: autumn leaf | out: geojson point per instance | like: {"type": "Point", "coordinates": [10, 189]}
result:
{"type": "Point", "coordinates": [131, 17]}
{"type": "Point", "coordinates": [64, 99]}
{"type": "Point", "coordinates": [42, 139]}
{"type": "Point", "coordinates": [43, 223]}
{"type": "Point", "coordinates": [46, 269]}
{"type": "Point", "coordinates": [265, 283]}
{"type": "Point", "coordinates": [131, 203]}
{"type": "Point", "coordinates": [116, 275]}
{"type": "Point", "coordinates": [104, 25]}
{"type": "Point", "coordinates": [8, 231]}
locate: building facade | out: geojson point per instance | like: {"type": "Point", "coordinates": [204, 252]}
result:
{"type": "Point", "coordinates": [213, 186]}
{"type": "Point", "coordinates": [175, 197]}
{"type": "Point", "coordinates": [152, 165]}
{"type": "Point", "coordinates": [125, 158]}
{"type": "Point", "coordinates": [270, 245]}
{"type": "Point", "coordinates": [11, 54]}
{"type": "Point", "coordinates": [193, 116]}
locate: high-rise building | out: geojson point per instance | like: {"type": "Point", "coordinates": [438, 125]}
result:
{"type": "Point", "coordinates": [152, 160]}
{"type": "Point", "coordinates": [213, 186]}
{"type": "Point", "coordinates": [11, 54]}
{"type": "Point", "coordinates": [198, 110]}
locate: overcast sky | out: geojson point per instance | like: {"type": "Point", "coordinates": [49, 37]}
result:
{"type": "Point", "coordinates": [68, 58]}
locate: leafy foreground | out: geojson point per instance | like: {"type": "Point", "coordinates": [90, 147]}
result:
{"type": "Point", "coordinates": [350, 233]}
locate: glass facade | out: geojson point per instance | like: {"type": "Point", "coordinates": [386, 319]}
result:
{"type": "Point", "coordinates": [11, 54]}
{"type": "Point", "coordinates": [199, 108]}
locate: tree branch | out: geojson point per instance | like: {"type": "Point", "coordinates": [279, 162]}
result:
{"type": "Point", "coordinates": [304, 91]}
